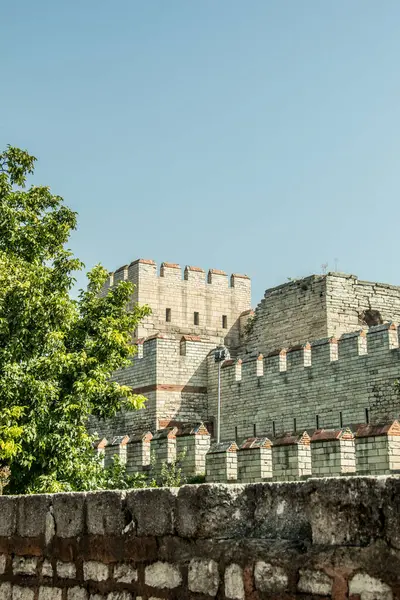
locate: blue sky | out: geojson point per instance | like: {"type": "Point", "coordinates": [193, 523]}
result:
{"type": "Point", "coordinates": [260, 137]}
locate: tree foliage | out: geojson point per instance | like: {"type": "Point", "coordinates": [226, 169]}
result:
{"type": "Point", "coordinates": [56, 353]}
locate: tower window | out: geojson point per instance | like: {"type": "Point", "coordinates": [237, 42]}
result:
{"type": "Point", "coordinates": [224, 322]}
{"type": "Point", "coordinates": [196, 317]}
{"type": "Point", "coordinates": [367, 416]}
{"type": "Point", "coordinates": [168, 315]}
{"type": "Point", "coordinates": [317, 421]}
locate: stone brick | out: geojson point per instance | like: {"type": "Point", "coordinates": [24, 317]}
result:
{"type": "Point", "coordinates": [66, 570]}
{"type": "Point", "coordinates": [369, 588]}
{"type": "Point", "coordinates": [77, 593]}
{"type": "Point", "coordinates": [24, 566]}
{"type": "Point", "coordinates": [315, 582]}
{"type": "Point", "coordinates": [203, 576]}
{"type": "Point", "coordinates": [356, 523]}
{"type": "Point", "coordinates": [95, 571]}
{"type": "Point", "coordinates": [32, 514]}
{"type": "Point", "coordinates": [234, 587]}
{"type": "Point", "coordinates": [8, 510]}
{"type": "Point", "coordinates": [213, 511]}
{"type": "Point", "coordinates": [49, 593]}
{"type": "Point", "coordinates": [150, 522]}
{"type": "Point", "coordinates": [69, 514]}
{"type": "Point", "coordinates": [5, 591]}
{"type": "Point", "coordinates": [162, 575]}
{"type": "Point", "coordinates": [22, 593]}
{"type": "Point", "coordinates": [105, 513]}
{"type": "Point", "coordinates": [47, 569]}
{"type": "Point", "coordinates": [3, 561]}
{"type": "Point", "coordinates": [270, 578]}
{"type": "Point", "coordinates": [125, 573]}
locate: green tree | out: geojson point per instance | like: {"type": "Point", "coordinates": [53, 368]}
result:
{"type": "Point", "coordinates": [56, 353]}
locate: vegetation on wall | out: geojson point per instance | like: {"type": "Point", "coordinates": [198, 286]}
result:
{"type": "Point", "coordinates": [56, 353]}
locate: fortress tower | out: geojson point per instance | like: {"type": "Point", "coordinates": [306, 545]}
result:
{"type": "Point", "coordinates": [192, 304]}
{"type": "Point", "coordinates": [191, 314]}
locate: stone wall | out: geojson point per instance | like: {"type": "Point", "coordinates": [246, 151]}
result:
{"type": "Point", "coordinates": [320, 539]}
{"type": "Point", "coordinates": [313, 387]}
{"type": "Point", "coordinates": [352, 303]}
{"type": "Point", "coordinates": [289, 314]}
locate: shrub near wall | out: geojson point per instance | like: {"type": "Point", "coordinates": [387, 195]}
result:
{"type": "Point", "coordinates": [327, 538]}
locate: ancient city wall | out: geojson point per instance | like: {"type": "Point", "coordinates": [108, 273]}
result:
{"type": "Point", "coordinates": [330, 383]}
{"type": "Point", "coordinates": [217, 299]}
{"type": "Point", "coordinates": [321, 539]}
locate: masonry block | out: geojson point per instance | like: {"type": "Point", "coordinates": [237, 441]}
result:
{"type": "Point", "coordinates": [118, 448]}
{"type": "Point", "coordinates": [333, 452]}
{"type": "Point", "coordinates": [378, 448]}
{"type": "Point", "coordinates": [291, 457]}
{"type": "Point", "coordinates": [254, 459]}
{"type": "Point", "coordinates": [192, 445]}
{"type": "Point", "coordinates": [138, 455]}
{"type": "Point", "coordinates": [163, 447]}
{"type": "Point", "coordinates": [221, 462]}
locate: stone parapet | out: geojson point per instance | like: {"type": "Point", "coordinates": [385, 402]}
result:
{"type": "Point", "coordinates": [333, 452]}
{"type": "Point", "coordinates": [192, 444]}
{"type": "Point", "coordinates": [254, 460]}
{"type": "Point", "coordinates": [378, 448]}
{"type": "Point", "coordinates": [221, 462]}
{"type": "Point", "coordinates": [175, 298]}
{"type": "Point", "coordinates": [327, 383]}
{"type": "Point", "coordinates": [291, 457]}
{"type": "Point", "coordinates": [371, 450]}
{"type": "Point", "coordinates": [117, 448]}
{"type": "Point", "coordinates": [333, 538]}
{"type": "Point", "coordinates": [163, 447]}
{"type": "Point", "coordinates": [138, 453]}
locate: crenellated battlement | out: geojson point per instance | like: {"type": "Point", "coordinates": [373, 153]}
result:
{"type": "Point", "coordinates": [324, 452]}
{"type": "Point", "coordinates": [148, 268]}
{"type": "Point", "coordinates": [188, 301]}
{"type": "Point", "coordinates": [325, 383]}
{"type": "Point", "coordinates": [324, 351]}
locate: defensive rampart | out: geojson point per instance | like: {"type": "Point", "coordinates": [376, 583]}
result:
{"type": "Point", "coordinates": [328, 383]}
{"type": "Point", "coordinates": [322, 539]}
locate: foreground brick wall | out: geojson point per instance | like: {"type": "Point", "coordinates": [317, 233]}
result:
{"type": "Point", "coordinates": [330, 538]}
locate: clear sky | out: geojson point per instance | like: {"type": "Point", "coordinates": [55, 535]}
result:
{"type": "Point", "coordinates": [257, 136]}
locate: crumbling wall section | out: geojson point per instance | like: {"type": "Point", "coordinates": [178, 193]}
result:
{"type": "Point", "coordinates": [329, 539]}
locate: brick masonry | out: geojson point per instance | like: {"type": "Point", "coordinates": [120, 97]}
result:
{"type": "Point", "coordinates": [333, 538]}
